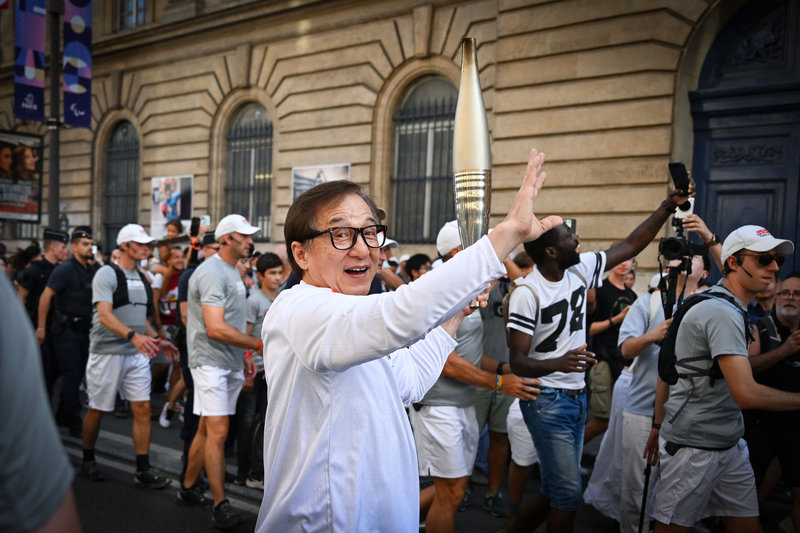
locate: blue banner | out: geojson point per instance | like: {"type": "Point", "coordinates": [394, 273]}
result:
{"type": "Point", "coordinates": [30, 27]}
{"type": "Point", "coordinates": [78, 63]}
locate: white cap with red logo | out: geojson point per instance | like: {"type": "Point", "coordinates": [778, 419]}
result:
{"type": "Point", "coordinates": [755, 239]}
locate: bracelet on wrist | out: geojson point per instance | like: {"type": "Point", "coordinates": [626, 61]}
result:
{"type": "Point", "coordinates": [656, 426]}
{"type": "Point", "coordinates": [499, 370]}
{"type": "Point", "coordinates": [498, 383]}
{"type": "Point", "coordinates": [611, 322]}
{"type": "Point", "coordinates": [667, 209]}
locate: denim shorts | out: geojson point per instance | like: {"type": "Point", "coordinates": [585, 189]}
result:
{"type": "Point", "coordinates": [556, 422]}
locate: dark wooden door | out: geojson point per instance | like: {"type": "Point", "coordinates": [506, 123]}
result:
{"type": "Point", "coordinates": [747, 124]}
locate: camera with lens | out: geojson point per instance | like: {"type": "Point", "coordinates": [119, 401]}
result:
{"type": "Point", "coordinates": [679, 247]}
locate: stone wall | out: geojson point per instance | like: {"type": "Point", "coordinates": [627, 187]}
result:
{"type": "Point", "coordinates": [591, 83]}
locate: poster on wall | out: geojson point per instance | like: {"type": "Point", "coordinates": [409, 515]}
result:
{"type": "Point", "coordinates": [303, 178]}
{"type": "Point", "coordinates": [171, 199]}
{"type": "Point", "coordinates": [20, 176]}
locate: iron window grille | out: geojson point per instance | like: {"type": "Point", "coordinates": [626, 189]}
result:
{"type": "Point", "coordinates": [248, 187]}
{"type": "Point", "coordinates": [422, 182]}
{"type": "Point", "coordinates": [122, 181]}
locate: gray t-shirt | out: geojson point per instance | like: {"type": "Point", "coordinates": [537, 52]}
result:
{"type": "Point", "coordinates": [257, 305]}
{"type": "Point", "coordinates": [35, 473]}
{"type": "Point", "coordinates": [642, 391]}
{"type": "Point", "coordinates": [215, 283]}
{"type": "Point", "coordinates": [133, 315]}
{"type": "Point", "coordinates": [448, 391]}
{"type": "Point", "coordinates": [494, 327]}
{"type": "Point", "coordinates": [710, 419]}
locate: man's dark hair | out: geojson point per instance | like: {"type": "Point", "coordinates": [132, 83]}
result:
{"type": "Point", "coordinates": [301, 220]}
{"type": "Point", "coordinates": [415, 262]}
{"type": "Point", "coordinates": [523, 260]}
{"type": "Point", "coordinates": [266, 261]}
{"type": "Point", "coordinates": [535, 249]}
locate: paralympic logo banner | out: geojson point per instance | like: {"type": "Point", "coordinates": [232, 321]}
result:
{"type": "Point", "coordinates": [77, 70]}
{"type": "Point", "coordinates": [30, 27]}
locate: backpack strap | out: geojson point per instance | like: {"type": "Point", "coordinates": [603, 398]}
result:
{"type": "Point", "coordinates": [120, 296]}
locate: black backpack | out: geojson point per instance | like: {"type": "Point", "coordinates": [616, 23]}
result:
{"type": "Point", "coordinates": [668, 364]}
{"type": "Point", "coordinates": [120, 296]}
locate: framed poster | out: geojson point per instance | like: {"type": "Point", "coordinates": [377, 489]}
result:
{"type": "Point", "coordinates": [303, 178]}
{"type": "Point", "coordinates": [20, 176]}
{"type": "Point", "coordinates": [171, 199]}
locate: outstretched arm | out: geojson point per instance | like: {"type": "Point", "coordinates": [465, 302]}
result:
{"type": "Point", "coordinates": [647, 230]}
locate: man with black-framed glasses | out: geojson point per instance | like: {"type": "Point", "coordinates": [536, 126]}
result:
{"type": "Point", "coordinates": [775, 358]}
{"type": "Point", "coordinates": [703, 461]}
{"type": "Point", "coordinates": [341, 364]}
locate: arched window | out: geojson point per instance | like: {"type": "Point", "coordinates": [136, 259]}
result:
{"type": "Point", "coordinates": [423, 166]}
{"type": "Point", "coordinates": [248, 187]}
{"type": "Point", "coordinates": [122, 181]}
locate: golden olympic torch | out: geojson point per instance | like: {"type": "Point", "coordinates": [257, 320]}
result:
{"type": "Point", "coordinates": [472, 160]}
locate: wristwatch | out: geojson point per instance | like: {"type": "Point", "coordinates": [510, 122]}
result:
{"type": "Point", "coordinates": [131, 333]}
{"type": "Point", "coordinates": [714, 240]}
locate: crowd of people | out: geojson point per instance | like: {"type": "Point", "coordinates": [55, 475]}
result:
{"type": "Point", "coordinates": [341, 370]}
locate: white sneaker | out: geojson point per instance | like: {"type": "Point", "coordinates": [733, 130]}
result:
{"type": "Point", "coordinates": [163, 421]}
{"type": "Point", "coordinates": [254, 483]}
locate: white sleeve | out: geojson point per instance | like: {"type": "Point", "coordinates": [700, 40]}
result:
{"type": "Point", "coordinates": [331, 331]}
{"type": "Point", "coordinates": [158, 281]}
{"type": "Point", "coordinates": [522, 310]}
{"type": "Point", "coordinates": [417, 368]}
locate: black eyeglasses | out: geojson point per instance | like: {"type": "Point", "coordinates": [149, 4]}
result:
{"type": "Point", "coordinates": [344, 237]}
{"type": "Point", "coordinates": [765, 259]}
{"type": "Point", "coordinates": [786, 294]}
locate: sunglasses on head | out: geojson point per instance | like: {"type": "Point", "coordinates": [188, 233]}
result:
{"type": "Point", "coordinates": [765, 259]}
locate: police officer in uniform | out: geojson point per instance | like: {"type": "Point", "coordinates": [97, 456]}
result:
{"type": "Point", "coordinates": [70, 287]}
{"type": "Point", "coordinates": [32, 282]}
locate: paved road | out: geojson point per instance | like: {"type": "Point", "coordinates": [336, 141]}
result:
{"type": "Point", "coordinates": [117, 505]}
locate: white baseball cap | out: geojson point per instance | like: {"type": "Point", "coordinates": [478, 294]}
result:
{"type": "Point", "coordinates": [755, 239]}
{"type": "Point", "coordinates": [390, 243]}
{"type": "Point", "coordinates": [135, 233]}
{"type": "Point", "coordinates": [234, 223]}
{"type": "Point", "coordinates": [654, 281]}
{"type": "Point", "coordinates": [448, 238]}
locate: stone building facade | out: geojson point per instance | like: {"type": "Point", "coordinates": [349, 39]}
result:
{"type": "Point", "coordinates": [611, 90]}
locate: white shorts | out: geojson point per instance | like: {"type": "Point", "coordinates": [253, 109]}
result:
{"type": "Point", "coordinates": [216, 390]}
{"type": "Point", "coordinates": [523, 452]}
{"type": "Point", "coordinates": [694, 484]}
{"type": "Point", "coordinates": [108, 374]}
{"type": "Point", "coordinates": [446, 438]}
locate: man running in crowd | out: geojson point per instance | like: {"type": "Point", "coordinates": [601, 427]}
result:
{"type": "Point", "coordinates": [707, 473]}
{"type": "Point", "coordinates": [217, 339]}
{"type": "Point", "coordinates": [122, 342]}
{"type": "Point", "coordinates": [547, 340]}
